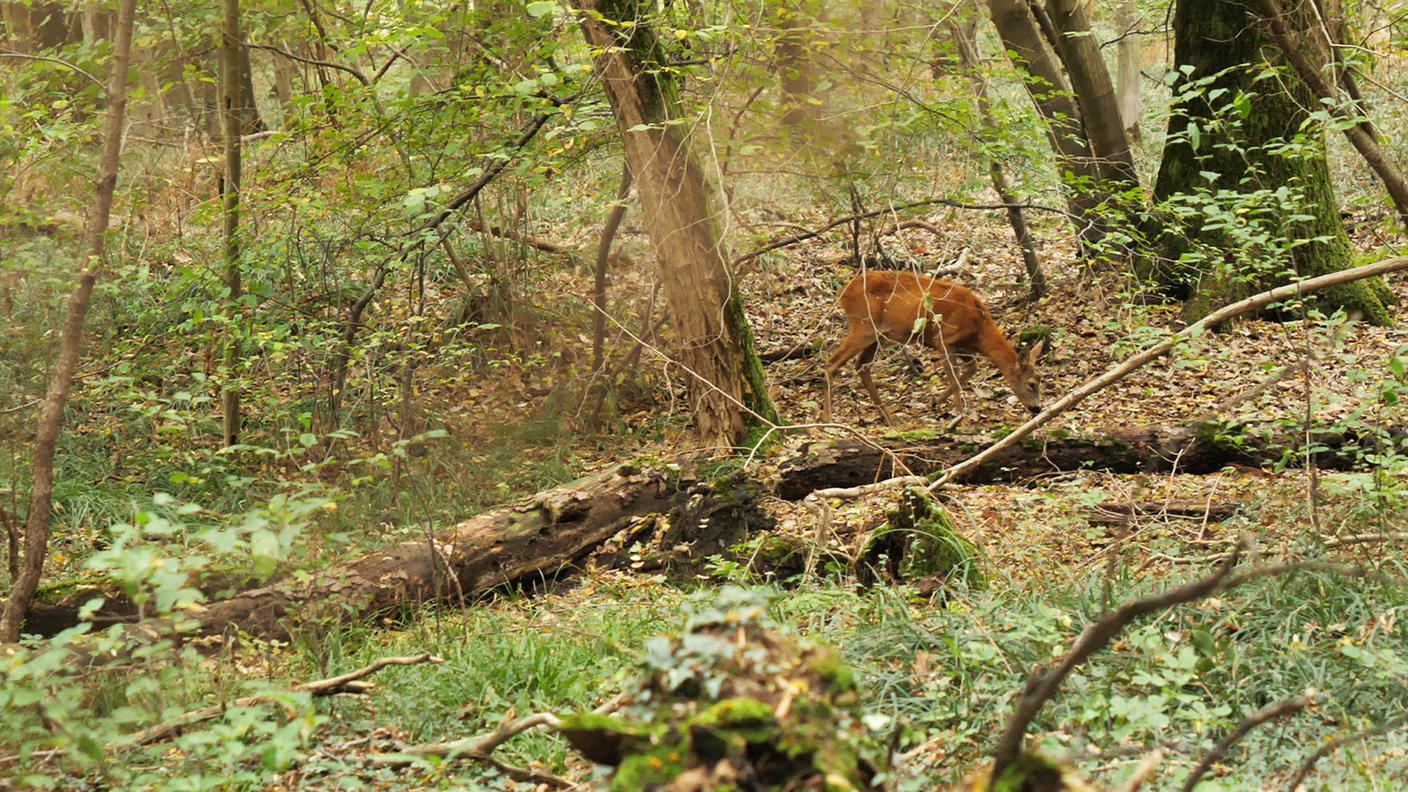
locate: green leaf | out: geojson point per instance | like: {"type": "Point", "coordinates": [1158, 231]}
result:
{"type": "Point", "coordinates": [539, 10]}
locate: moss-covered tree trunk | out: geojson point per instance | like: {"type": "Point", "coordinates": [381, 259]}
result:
{"type": "Point", "coordinates": [1231, 149]}
{"type": "Point", "coordinates": [677, 209]}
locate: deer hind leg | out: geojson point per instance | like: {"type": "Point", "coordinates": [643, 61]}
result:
{"type": "Point", "coordinates": [863, 365]}
{"type": "Point", "coordinates": [855, 342]}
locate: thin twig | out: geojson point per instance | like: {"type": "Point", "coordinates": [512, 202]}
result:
{"type": "Point", "coordinates": [349, 682]}
{"type": "Point", "coordinates": [1270, 712]}
{"type": "Point", "coordinates": [50, 59]}
{"type": "Point", "coordinates": [1339, 742]}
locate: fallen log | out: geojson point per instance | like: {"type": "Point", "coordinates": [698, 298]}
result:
{"type": "Point", "coordinates": [661, 516]}
{"type": "Point", "coordinates": [534, 539]}
{"type": "Point", "coordinates": [1197, 448]}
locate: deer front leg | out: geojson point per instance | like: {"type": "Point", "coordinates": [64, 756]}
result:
{"type": "Point", "coordinates": [863, 365]}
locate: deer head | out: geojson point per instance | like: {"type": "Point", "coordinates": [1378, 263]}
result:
{"type": "Point", "coordinates": [1025, 380]}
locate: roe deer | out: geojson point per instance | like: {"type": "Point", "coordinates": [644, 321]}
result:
{"type": "Point", "coordinates": [906, 307]}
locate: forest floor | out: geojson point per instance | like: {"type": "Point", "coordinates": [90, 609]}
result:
{"type": "Point", "coordinates": [947, 666]}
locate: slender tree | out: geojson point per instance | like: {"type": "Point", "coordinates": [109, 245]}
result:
{"type": "Point", "coordinates": [963, 29]}
{"type": "Point", "coordinates": [1051, 93]}
{"type": "Point", "coordinates": [1127, 68]}
{"type": "Point", "coordinates": [724, 375]}
{"type": "Point", "coordinates": [1094, 93]}
{"type": "Point", "coordinates": [232, 72]}
{"type": "Point", "coordinates": [39, 519]}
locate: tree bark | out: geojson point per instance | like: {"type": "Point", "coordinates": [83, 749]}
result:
{"type": "Point", "coordinates": [1095, 95]}
{"type": "Point", "coordinates": [534, 539]}
{"type": "Point", "coordinates": [964, 33]}
{"type": "Point", "coordinates": [1127, 67]}
{"type": "Point", "coordinates": [1362, 135]}
{"type": "Point", "coordinates": [39, 519]}
{"type": "Point", "coordinates": [723, 373]}
{"type": "Point", "coordinates": [1243, 149]}
{"type": "Point", "coordinates": [233, 69]}
{"type": "Point", "coordinates": [1051, 93]}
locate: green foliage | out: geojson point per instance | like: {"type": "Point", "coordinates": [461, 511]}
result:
{"type": "Point", "coordinates": [733, 696]}
{"type": "Point", "coordinates": [921, 542]}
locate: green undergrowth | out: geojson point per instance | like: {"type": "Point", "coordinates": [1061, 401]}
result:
{"type": "Point", "coordinates": [943, 674]}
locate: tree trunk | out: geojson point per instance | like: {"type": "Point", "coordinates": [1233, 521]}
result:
{"type": "Point", "coordinates": [233, 70]}
{"type": "Point", "coordinates": [51, 413]}
{"type": "Point", "coordinates": [1303, 53]}
{"type": "Point", "coordinates": [1242, 149]}
{"type": "Point", "coordinates": [964, 30]}
{"type": "Point", "coordinates": [1095, 95]}
{"type": "Point", "coordinates": [723, 374]}
{"type": "Point", "coordinates": [796, 68]}
{"type": "Point", "coordinates": [1127, 71]}
{"type": "Point", "coordinates": [1051, 94]}
{"type": "Point", "coordinates": [284, 71]}
{"type": "Point", "coordinates": [247, 107]}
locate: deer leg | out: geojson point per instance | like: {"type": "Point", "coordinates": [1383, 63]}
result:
{"type": "Point", "coordinates": [853, 344]}
{"type": "Point", "coordinates": [954, 392]}
{"type": "Point", "coordinates": [863, 365]}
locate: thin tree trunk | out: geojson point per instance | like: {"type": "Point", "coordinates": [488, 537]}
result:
{"type": "Point", "coordinates": [603, 262]}
{"type": "Point", "coordinates": [247, 108]}
{"type": "Point", "coordinates": [1095, 94]}
{"type": "Point", "coordinates": [1051, 94]}
{"type": "Point", "coordinates": [796, 68]}
{"type": "Point", "coordinates": [964, 33]}
{"type": "Point", "coordinates": [1127, 69]}
{"type": "Point", "coordinates": [41, 491]}
{"type": "Point", "coordinates": [722, 370]}
{"type": "Point", "coordinates": [232, 93]}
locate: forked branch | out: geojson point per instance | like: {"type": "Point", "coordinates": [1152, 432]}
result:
{"type": "Point", "coordinates": [1044, 683]}
{"type": "Point", "coordinates": [1270, 712]}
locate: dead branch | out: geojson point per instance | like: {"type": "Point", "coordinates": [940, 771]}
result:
{"type": "Point", "coordinates": [1270, 712]}
{"type": "Point", "coordinates": [1043, 683]}
{"type": "Point", "coordinates": [1337, 743]}
{"type": "Point", "coordinates": [480, 746]}
{"type": "Point", "coordinates": [349, 682]}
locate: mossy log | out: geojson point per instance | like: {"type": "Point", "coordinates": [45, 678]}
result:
{"type": "Point", "coordinates": [1196, 448]}
{"type": "Point", "coordinates": [537, 538]}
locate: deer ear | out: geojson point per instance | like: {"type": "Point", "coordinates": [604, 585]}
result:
{"type": "Point", "coordinates": [1038, 349]}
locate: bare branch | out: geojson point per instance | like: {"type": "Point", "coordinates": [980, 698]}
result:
{"type": "Point", "coordinates": [1338, 743]}
{"type": "Point", "coordinates": [1270, 712]}
{"type": "Point", "coordinates": [1044, 682]}
{"type": "Point", "coordinates": [50, 59]}
{"type": "Point", "coordinates": [352, 70]}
